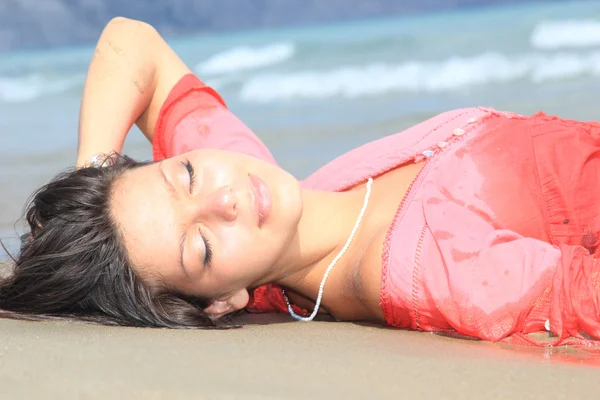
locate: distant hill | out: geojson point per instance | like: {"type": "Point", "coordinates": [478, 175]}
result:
{"type": "Point", "coordinates": [43, 23]}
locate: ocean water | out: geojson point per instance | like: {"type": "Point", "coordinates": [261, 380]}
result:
{"type": "Point", "coordinates": [314, 93]}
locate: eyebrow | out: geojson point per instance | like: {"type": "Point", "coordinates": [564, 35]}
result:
{"type": "Point", "coordinates": [173, 193]}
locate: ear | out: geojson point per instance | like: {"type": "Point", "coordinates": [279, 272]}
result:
{"type": "Point", "coordinates": [228, 304]}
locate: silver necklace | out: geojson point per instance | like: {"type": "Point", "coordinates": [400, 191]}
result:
{"type": "Point", "coordinates": [333, 262]}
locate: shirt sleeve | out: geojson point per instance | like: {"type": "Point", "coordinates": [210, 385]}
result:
{"type": "Point", "coordinates": [194, 116]}
{"type": "Point", "coordinates": [269, 298]}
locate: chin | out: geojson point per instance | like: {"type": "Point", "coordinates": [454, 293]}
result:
{"type": "Point", "coordinates": [289, 204]}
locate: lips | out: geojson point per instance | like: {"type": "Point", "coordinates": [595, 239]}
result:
{"type": "Point", "coordinates": [261, 197]}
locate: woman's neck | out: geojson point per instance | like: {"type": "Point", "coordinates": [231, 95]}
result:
{"type": "Point", "coordinates": [324, 228]}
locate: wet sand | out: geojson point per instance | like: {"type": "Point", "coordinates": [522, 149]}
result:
{"type": "Point", "coordinates": [274, 361]}
{"type": "Point", "coordinates": [273, 357]}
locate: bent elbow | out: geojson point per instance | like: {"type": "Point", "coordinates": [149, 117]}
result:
{"type": "Point", "coordinates": [124, 25]}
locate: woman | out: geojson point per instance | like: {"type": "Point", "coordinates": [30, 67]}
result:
{"type": "Point", "coordinates": [474, 222]}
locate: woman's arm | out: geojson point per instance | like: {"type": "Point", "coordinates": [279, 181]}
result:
{"type": "Point", "coordinates": [130, 75]}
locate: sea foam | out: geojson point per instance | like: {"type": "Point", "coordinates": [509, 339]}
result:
{"type": "Point", "coordinates": [246, 58]}
{"type": "Point", "coordinates": [455, 73]}
{"type": "Point", "coordinates": [552, 35]}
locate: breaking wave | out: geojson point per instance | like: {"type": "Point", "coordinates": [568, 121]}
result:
{"type": "Point", "coordinates": [418, 76]}
{"type": "Point", "coordinates": [31, 87]}
{"type": "Point", "coordinates": [552, 35]}
{"type": "Point", "coordinates": [246, 58]}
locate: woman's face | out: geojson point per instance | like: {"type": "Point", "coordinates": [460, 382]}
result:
{"type": "Point", "coordinates": [208, 222]}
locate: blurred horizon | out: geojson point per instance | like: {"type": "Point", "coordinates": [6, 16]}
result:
{"type": "Point", "coordinates": [42, 24]}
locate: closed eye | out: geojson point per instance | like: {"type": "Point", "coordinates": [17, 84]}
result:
{"type": "Point", "coordinates": [207, 251]}
{"type": "Point", "coordinates": [190, 169]}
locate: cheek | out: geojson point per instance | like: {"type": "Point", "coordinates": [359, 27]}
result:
{"type": "Point", "coordinates": [239, 247]}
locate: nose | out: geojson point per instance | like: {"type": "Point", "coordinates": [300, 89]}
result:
{"type": "Point", "coordinates": [221, 204]}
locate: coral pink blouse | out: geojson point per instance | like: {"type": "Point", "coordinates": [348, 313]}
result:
{"type": "Point", "coordinates": [495, 238]}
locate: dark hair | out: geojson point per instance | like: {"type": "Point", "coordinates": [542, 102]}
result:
{"type": "Point", "coordinates": [73, 264]}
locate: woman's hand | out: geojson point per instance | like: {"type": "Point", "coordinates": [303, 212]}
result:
{"type": "Point", "coordinates": [131, 73]}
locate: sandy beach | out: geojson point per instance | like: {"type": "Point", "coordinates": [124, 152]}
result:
{"type": "Point", "coordinates": [272, 357]}
{"type": "Point", "coordinates": [310, 94]}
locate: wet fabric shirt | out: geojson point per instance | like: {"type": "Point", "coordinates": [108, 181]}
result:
{"type": "Point", "coordinates": [496, 237]}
